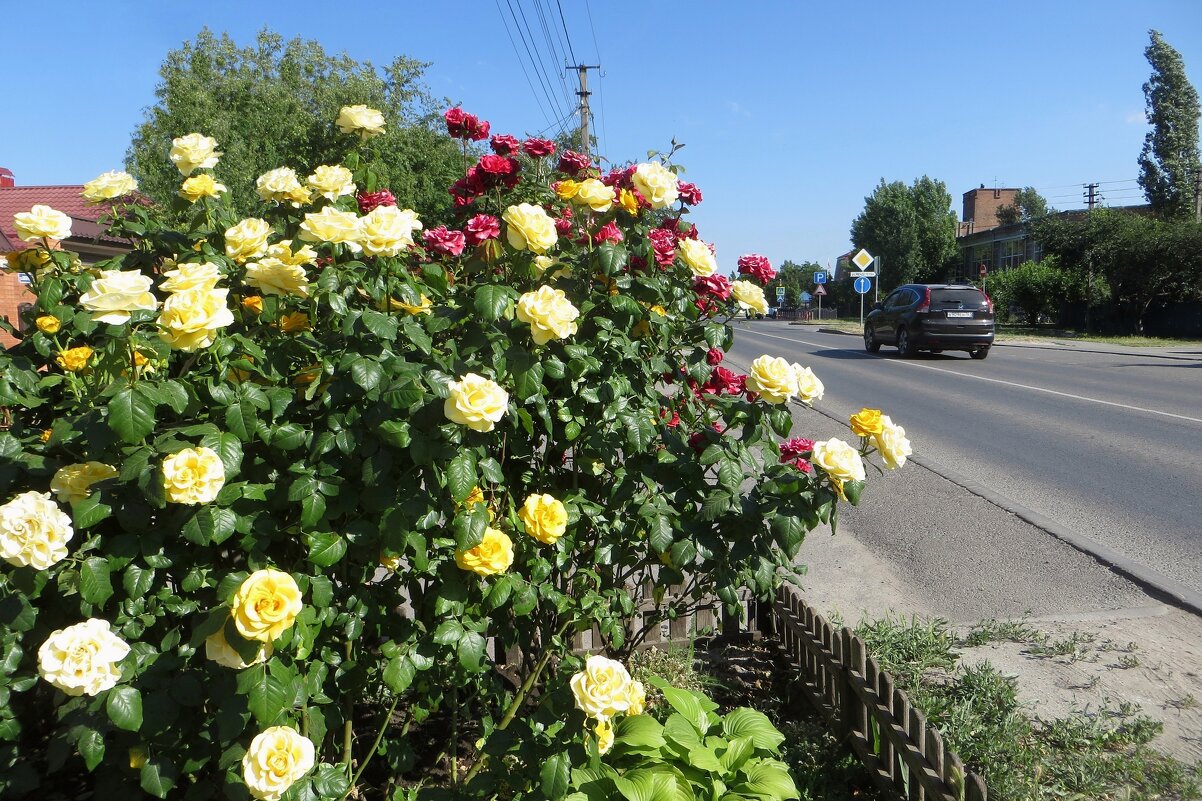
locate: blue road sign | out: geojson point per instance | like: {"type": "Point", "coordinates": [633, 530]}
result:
{"type": "Point", "coordinates": [806, 297]}
{"type": "Point", "coordinates": [863, 285]}
{"type": "Point", "coordinates": [819, 277]}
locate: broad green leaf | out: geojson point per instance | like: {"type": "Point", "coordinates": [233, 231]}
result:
{"type": "Point", "coordinates": [660, 531]}
{"type": "Point", "coordinates": [853, 490]}
{"type": "Point", "coordinates": [704, 758]}
{"type": "Point", "coordinates": [715, 505]}
{"type": "Point", "coordinates": [124, 707]}
{"type": "Point", "coordinates": [461, 476]}
{"type": "Point", "coordinates": [645, 785]}
{"type": "Point", "coordinates": [684, 702]}
{"type": "Point", "coordinates": [471, 651]}
{"type": "Point", "coordinates": [158, 776]}
{"type": "Point", "coordinates": [367, 374]}
{"type": "Point", "coordinates": [89, 511]}
{"type": "Point", "coordinates": [738, 751]}
{"type": "Point", "coordinates": [91, 747]}
{"type": "Point", "coordinates": [492, 301]}
{"type": "Point", "coordinates": [228, 449]}
{"type": "Point", "coordinates": [610, 258]}
{"type": "Point", "coordinates": [95, 586]}
{"type": "Point", "coordinates": [399, 673]}
{"type": "Point", "coordinates": [242, 419]}
{"type": "Point", "coordinates": [131, 415]}
{"type": "Point", "coordinates": [331, 781]}
{"type": "Point", "coordinates": [325, 548]}
{"type": "Point", "coordinates": [745, 722]}
{"type": "Point", "coordinates": [210, 525]}
{"type": "Point", "coordinates": [267, 696]}
{"type": "Point", "coordinates": [382, 325]}
{"type": "Point", "coordinates": [639, 732]}
{"type": "Point", "coordinates": [554, 776]}
{"type": "Point", "coordinates": [769, 779]}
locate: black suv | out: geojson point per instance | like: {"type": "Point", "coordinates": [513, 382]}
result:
{"type": "Point", "coordinates": [934, 317]}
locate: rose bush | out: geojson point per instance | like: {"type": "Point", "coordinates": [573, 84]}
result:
{"type": "Point", "coordinates": [308, 465]}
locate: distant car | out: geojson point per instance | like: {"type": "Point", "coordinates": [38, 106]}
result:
{"type": "Point", "coordinates": [932, 317]}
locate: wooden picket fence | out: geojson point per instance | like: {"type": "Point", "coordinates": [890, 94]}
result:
{"type": "Point", "coordinates": [906, 758]}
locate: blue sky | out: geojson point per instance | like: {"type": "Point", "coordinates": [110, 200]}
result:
{"type": "Point", "coordinates": [790, 112]}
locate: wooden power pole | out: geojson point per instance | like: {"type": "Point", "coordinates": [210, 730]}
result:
{"type": "Point", "coordinates": [583, 94]}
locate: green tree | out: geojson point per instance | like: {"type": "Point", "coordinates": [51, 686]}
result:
{"type": "Point", "coordinates": [1028, 205]}
{"type": "Point", "coordinates": [1037, 288]}
{"type": "Point", "coordinates": [272, 104]}
{"type": "Point", "coordinates": [911, 229]}
{"type": "Point", "coordinates": [1169, 159]}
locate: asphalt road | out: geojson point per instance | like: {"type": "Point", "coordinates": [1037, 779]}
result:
{"type": "Point", "coordinates": [1108, 446]}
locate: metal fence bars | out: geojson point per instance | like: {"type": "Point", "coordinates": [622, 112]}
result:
{"type": "Point", "coordinates": [906, 758]}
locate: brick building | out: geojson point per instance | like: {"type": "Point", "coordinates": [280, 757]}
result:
{"type": "Point", "coordinates": [87, 237]}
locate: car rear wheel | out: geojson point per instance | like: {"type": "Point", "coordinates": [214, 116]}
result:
{"type": "Point", "coordinates": [904, 348]}
{"type": "Point", "coordinates": [870, 343]}
{"type": "Point", "coordinates": [979, 353]}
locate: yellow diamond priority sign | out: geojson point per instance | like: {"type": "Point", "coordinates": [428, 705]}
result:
{"type": "Point", "coordinates": [862, 259]}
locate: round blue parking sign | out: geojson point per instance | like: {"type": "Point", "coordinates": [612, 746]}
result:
{"type": "Point", "coordinates": [862, 285]}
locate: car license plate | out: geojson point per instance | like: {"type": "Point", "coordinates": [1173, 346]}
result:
{"type": "Point", "coordinates": [959, 314]}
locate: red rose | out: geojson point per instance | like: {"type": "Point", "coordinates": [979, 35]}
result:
{"type": "Point", "coordinates": [572, 163]}
{"type": "Point", "coordinates": [722, 381]}
{"type": "Point", "coordinates": [445, 241]}
{"type": "Point", "coordinates": [672, 422]}
{"type": "Point", "coordinates": [455, 118]}
{"type": "Point", "coordinates": [475, 129]}
{"type": "Point", "coordinates": [697, 441]}
{"type": "Point", "coordinates": [607, 233]}
{"type": "Point", "coordinates": [689, 193]}
{"type": "Point", "coordinates": [497, 165]}
{"type": "Point", "coordinates": [707, 306]}
{"type": "Point", "coordinates": [481, 228]}
{"type": "Point", "coordinates": [714, 356]}
{"type": "Point", "coordinates": [505, 145]}
{"type": "Point", "coordinates": [538, 147]}
{"type": "Point", "coordinates": [620, 178]}
{"type": "Point", "coordinates": [663, 246]}
{"type": "Point", "coordinates": [794, 449]}
{"type": "Point", "coordinates": [716, 285]}
{"type": "Point", "coordinates": [757, 266]}
{"type": "Point", "coordinates": [372, 200]}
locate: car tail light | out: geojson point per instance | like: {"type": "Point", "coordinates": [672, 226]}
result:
{"type": "Point", "coordinates": [988, 302]}
{"type": "Point", "coordinates": [925, 306]}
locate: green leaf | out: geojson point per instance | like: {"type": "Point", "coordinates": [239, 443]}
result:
{"type": "Point", "coordinates": [266, 695]}
{"type": "Point", "coordinates": [325, 548]}
{"type": "Point", "coordinates": [661, 535]}
{"type": "Point", "coordinates": [639, 732]}
{"type": "Point", "coordinates": [173, 394]}
{"type": "Point", "coordinates": [158, 776]}
{"type": "Point", "coordinates": [321, 591]}
{"type": "Point", "coordinates": [715, 505]}
{"type": "Point", "coordinates": [382, 325]}
{"type": "Point", "coordinates": [471, 651]}
{"type": "Point", "coordinates": [528, 382]}
{"type": "Point", "coordinates": [367, 374]}
{"type": "Point", "coordinates": [853, 490]}
{"type": "Point", "coordinates": [124, 707]}
{"type": "Point", "coordinates": [131, 415]}
{"type": "Point", "coordinates": [756, 725]}
{"type": "Point", "coordinates": [399, 673]}
{"type": "Point", "coordinates": [210, 525]}
{"type": "Point", "coordinates": [313, 507]}
{"type": "Point", "coordinates": [95, 586]}
{"type": "Point", "coordinates": [555, 775]}
{"type": "Point", "coordinates": [228, 449]}
{"type": "Point", "coordinates": [684, 702]}
{"type": "Point", "coordinates": [769, 779]}
{"type": "Point", "coordinates": [730, 474]}
{"type": "Point", "coordinates": [91, 747]}
{"type": "Point", "coordinates": [242, 419]}
{"type": "Point", "coordinates": [492, 301]}
{"type": "Point", "coordinates": [704, 758]}
{"type": "Point", "coordinates": [646, 785]}
{"type": "Point", "coordinates": [331, 781]}
{"type": "Point", "coordinates": [137, 581]}
{"type": "Point", "coordinates": [610, 258]}
{"type": "Point", "coordinates": [789, 532]}
{"type": "Point", "coordinates": [738, 751]}
{"type": "Point", "coordinates": [89, 511]}
{"type": "Point", "coordinates": [461, 475]}
{"type": "Point", "coordinates": [395, 433]}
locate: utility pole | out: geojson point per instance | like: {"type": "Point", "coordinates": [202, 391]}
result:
{"type": "Point", "coordinates": [1091, 195]}
{"type": "Point", "coordinates": [582, 74]}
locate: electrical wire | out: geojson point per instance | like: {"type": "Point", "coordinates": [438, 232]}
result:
{"type": "Point", "coordinates": [534, 53]}
{"type": "Point", "coordinates": [521, 63]}
{"type": "Point", "coordinates": [564, 24]}
{"type": "Point", "coordinates": [600, 86]}
{"type": "Point", "coordinates": [554, 50]}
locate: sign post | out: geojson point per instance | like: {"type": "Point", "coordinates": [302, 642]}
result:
{"type": "Point", "coordinates": [819, 291]}
{"type": "Point", "coordinates": [862, 285]}
{"type": "Point", "coordinates": [984, 270]}
{"type": "Point", "coordinates": [863, 259]}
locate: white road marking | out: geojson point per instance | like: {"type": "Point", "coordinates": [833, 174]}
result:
{"type": "Point", "coordinates": [995, 380]}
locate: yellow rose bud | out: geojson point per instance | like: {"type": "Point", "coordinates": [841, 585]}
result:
{"type": "Point", "coordinates": [838, 460]}
{"type": "Point", "coordinates": [332, 182]}
{"type": "Point", "coordinates": [266, 604]}
{"type": "Point", "coordinates": [294, 323]}
{"type": "Point", "coordinates": [657, 184]}
{"type": "Point", "coordinates": [637, 697]}
{"type": "Point", "coordinates": [367, 122]}
{"type": "Point", "coordinates": [387, 230]}
{"type": "Point", "coordinates": [628, 202]}
{"type": "Point", "coordinates": [773, 378]}
{"type": "Point", "coordinates": [749, 296]}
{"type": "Point", "coordinates": [192, 318]}
{"type": "Point", "coordinates": [198, 186]}
{"type": "Point", "coordinates": [193, 476]}
{"type": "Point", "coordinates": [423, 305]}
{"type": "Point", "coordinates": [73, 483]}
{"type": "Point", "coordinates": [253, 303]}
{"type": "Point", "coordinates": [493, 555]}
{"type": "Point", "coordinates": [194, 152]}
{"type": "Point", "coordinates": [82, 659]}
{"type": "Point", "coordinates": [476, 402]}
{"type": "Point", "coordinates": [528, 227]}
{"type": "Point", "coordinates": [34, 531]}
{"type": "Point", "coordinates": [191, 276]}
{"type": "Point", "coordinates": [247, 240]}
{"type": "Point", "coordinates": [390, 562]}
{"type": "Point", "coordinates": [605, 736]}
{"type": "Point", "coordinates": [594, 194]}
{"type": "Point", "coordinates": [42, 222]}
{"type": "Point", "coordinates": [545, 518]}
{"type": "Point", "coordinates": [550, 314]}
{"type": "Point", "coordinates": [866, 422]}
{"type": "Point", "coordinates": [277, 758]}
{"type": "Point", "coordinates": [49, 324]}
{"type": "Point", "coordinates": [75, 359]}
{"type": "Point", "coordinates": [698, 256]}
{"type": "Point", "coordinates": [602, 689]}
{"type": "Point", "coordinates": [46, 434]}
{"type": "Point", "coordinates": [809, 388]}
{"type": "Point", "coordinates": [892, 443]}
{"type": "Point", "coordinates": [108, 186]}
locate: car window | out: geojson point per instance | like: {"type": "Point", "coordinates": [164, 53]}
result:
{"type": "Point", "coordinates": [896, 300]}
{"type": "Point", "coordinates": [957, 299]}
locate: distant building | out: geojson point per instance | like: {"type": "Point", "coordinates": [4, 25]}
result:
{"type": "Point", "coordinates": [88, 238]}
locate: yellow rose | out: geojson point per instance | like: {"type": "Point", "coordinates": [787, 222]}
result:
{"type": "Point", "coordinates": [566, 189]}
{"type": "Point", "coordinates": [253, 303]}
{"type": "Point", "coordinates": [493, 555]}
{"type": "Point", "coordinates": [637, 697]}
{"type": "Point", "coordinates": [628, 202]}
{"type": "Point", "coordinates": [193, 476]}
{"type": "Point", "coordinates": [476, 497]}
{"type": "Point", "coordinates": [191, 319]}
{"type": "Point", "coordinates": [194, 152]}
{"type": "Point", "coordinates": [109, 185]}
{"type": "Point", "coordinates": [866, 422]}
{"type": "Point", "coordinates": [198, 186]}
{"type": "Point", "coordinates": [892, 443]}
{"type": "Point", "coordinates": [82, 659]}
{"type": "Point", "coordinates": [277, 758]}
{"type": "Point", "coordinates": [46, 434]}
{"type": "Point", "coordinates": [218, 649]}
{"type": "Point", "coordinates": [282, 251]}
{"type": "Point", "coordinates": [544, 517]}
{"type": "Point", "coordinates": [247, 240]}
{"type": "Point", "coordinates": [49, 324]}
{"type": "Point", "coordinates": [191, 276]}
{"type": "Point", "coordinates": [476, 402]}
{"type": "Point", "coordinates": [138, 756]}
{"type": "Point", "coordinates": [605, 736]}
{"type": "Point", "coordinates": [73, 483]}
{"type": "Point", "coordinates": [332, 182]}
{"type": "Point", "coordinates": [423, 305]}
{"type": "Point", "coordinates": [809, 388]}
{"type": "Point", "coordinates": [657, 184]}
{"type": "Point", "coordinates": [749, 296]}
{"type": "Point", "coordinates": [602, 689]}
{"type": "Point", "coordinates": [294, 323]}
{"type": "Point", "coordinates": [387, 230]}
{"type": "Point", "coordinates": [838, 460]}
{"type": "Point", "coordinates": [282, 186]}
{"type": "Point", "coordinates": [116, 294]}
{"type": "Point", "coordinates": [390, 562]}
{"type": "Point", "coordinates": [529, 228]}
{"type": "Point", "coordinates": [774, 378]}
{"type": "Point", "coordinates": [75, 359]}
{"type": "Point", "coordinates": [698, 256]}
{"type": "Point", "coordinates": [42, 222]}
{"type": "Point", "coordinates": [594, 194]}
{"type": "Point", "coordinates": [543, 263]}
{"type": "Point", "coordinates": [550, 314]}
{"type": "Point", "coordinates": [332, 225]}
{"type": "Point", "coordinates": [367, 122]}
{"type": "Point", "coordinates": [266, 605]}
{"type": "Point", "coordinates": [273, 277]}
{"type": "Point", "coordinates": [33, 531]}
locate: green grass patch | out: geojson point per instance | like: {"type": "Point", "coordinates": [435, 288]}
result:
{"type": "Point", "coordinates": [1101, 753]}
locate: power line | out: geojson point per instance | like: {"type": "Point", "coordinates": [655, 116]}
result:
{"type": "Point", "coordinates": [521, 63]}
{"type": "Point", "coordinates": [600, 87]}
{"type": "Point", "coordinates": [554, 50]}
{"type": "Point", "coordinates": [564, 23]}
{"type": "Point", "coordinates": [532, 50]}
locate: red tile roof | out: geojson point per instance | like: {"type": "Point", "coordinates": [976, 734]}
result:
{"type": "Point", "coordinates": [67, 199]}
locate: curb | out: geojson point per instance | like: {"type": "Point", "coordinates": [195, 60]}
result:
{"type": "Point", "coordinates": [1061, 348]}
{"type": "Point", "coordinates": [1156, 584]}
